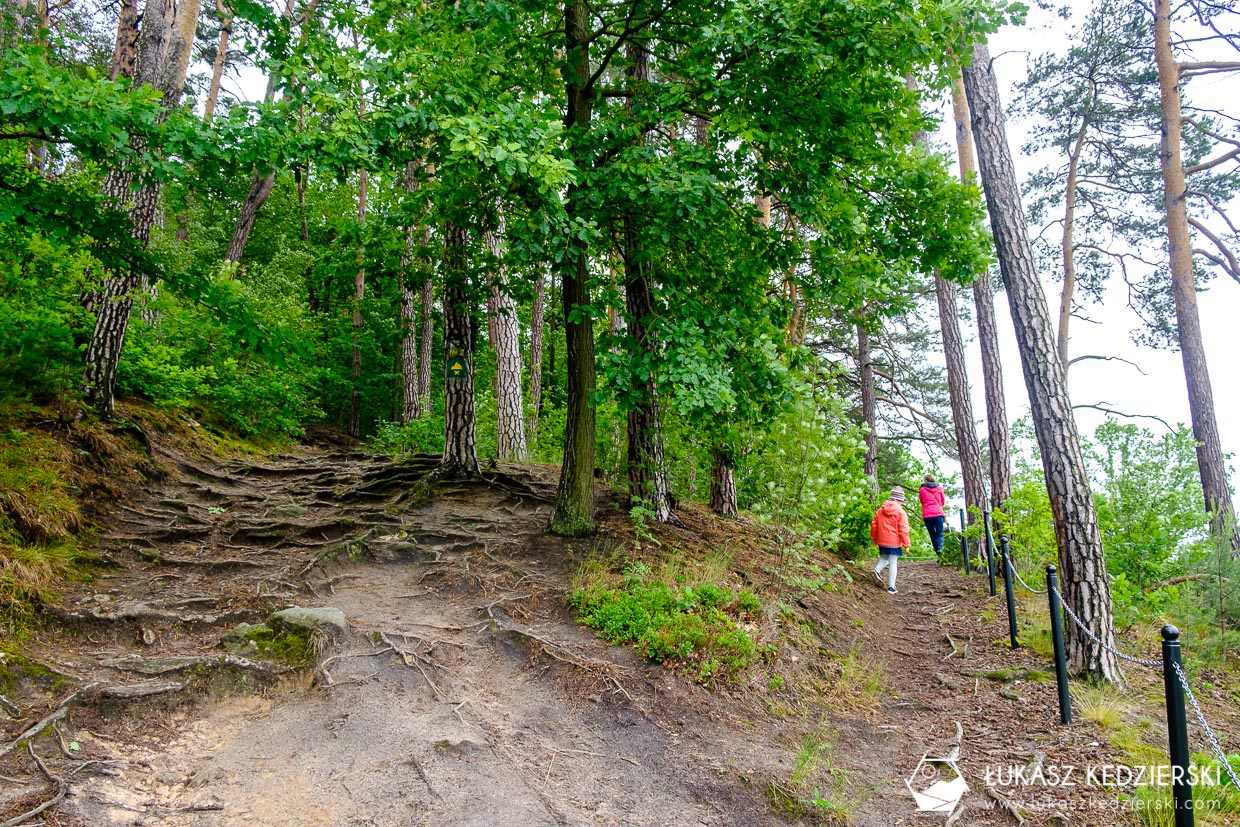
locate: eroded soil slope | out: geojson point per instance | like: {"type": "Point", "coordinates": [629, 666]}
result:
{"type": "Point", "coordinates": [464, 692]}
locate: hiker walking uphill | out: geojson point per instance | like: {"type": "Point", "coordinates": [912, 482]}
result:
{"type": "Point", "coordinates": [889, 531]}
{"type": "Point", "coordinates": [932, 503]}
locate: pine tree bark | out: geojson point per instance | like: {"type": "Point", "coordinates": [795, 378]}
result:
{"type": "Point", "coordinates": [425, 347]}
{"type": "Point", "coordinates": [723, 483]}
{"type": "Point", "coordinates": [408, 316]}
{"type": "Point", "coordinates": [970, 455]}
{"type": "Point", "coordinates": [999, 441]}
{"type": "Point", "coordinates": [869, 407]}
{"type": "Point", "coordinates": [505, 335]}
{"type": "Point", "coordinates": [574, 502]}
{"type": "Point", "coordinates": [1081, 560]}
{"type": "Point", "coordinates": [967, 450]}
{"type": "Point", "coordinates": [359, 292]}
{"type": "Point", "coordinates": [125, 54]}
{"type": "Point", "coordinates": [1066, 242]}
{"type": "Point", "coordinates": [647, 468]}
{"type": "Point", "coordinates": [1210, 462]}
{"type": "Point", "coordinates": [537, 315]}
{"type": "Point", "coordinates": [460, 450]}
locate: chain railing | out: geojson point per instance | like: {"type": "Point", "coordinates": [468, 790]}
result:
{"type": "Point", "coordinates": [1205, 727]}
{"type": "Point", "coordinates": [1174, 678]}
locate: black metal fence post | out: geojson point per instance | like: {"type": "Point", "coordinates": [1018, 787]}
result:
{"type": "Point", "coordinates": [964, 545]}
{"type": "Point", "coordinates": [1061, 657]}
{"type": "Point", "coordinates": [1177, 729]}
{"type": "Point", "coordinates": [1009, 587]}
{"type": "Point", "coordinates": [990, 554]}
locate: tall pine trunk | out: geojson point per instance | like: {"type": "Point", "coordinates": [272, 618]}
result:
{"type": "Point", "coordinates": [505, 335]}
{"type": "Point", "coordinates": [999, 441]}
{"type": "Point", "coordinates": [869, 407]}
{"type": "Point", "coordinates": [574, 501]}
{"type": "Point", "coordinates": [359, 292]}
{"type": "Point", "coordinates": [1210, 460]}
{"type": "Point", "coordinates": [409, 409]}
{"type": "Point", "coordinates": [425, 346]}
{"type": "Point", "coordinates": [967, 450]}
{"type": "Point", "coordinates": [460, 447]}
{"type": "Point", "coordinates": [647, 468]}
{"type": "Point", "coordinates": [1081, 561]}
{"type": "Point", "coordinates": [537, 317]}
{"type": "Point", "coordinates": [1067, 245]}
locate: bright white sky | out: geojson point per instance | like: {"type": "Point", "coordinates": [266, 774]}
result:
{"type": "Point", "coordinates": [1158, 388]}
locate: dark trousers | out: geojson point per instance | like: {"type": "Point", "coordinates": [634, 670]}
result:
{"type": "Point", "coordinates": [934, 525]}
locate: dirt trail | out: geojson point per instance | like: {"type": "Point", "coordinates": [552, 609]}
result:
{"type": "Point", "coordinates": [464, 693]}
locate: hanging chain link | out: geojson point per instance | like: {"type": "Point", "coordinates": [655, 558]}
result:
{"type": "Point", "coordinates": [1153, 664]}
{"type": "Point", "coordinates": [1201, 718]}
{"type": "Point", "coordinates": [1016, 572]}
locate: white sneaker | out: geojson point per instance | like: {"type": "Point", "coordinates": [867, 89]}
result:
{"type": "Point", "coordinates": [878, 581]}
{"type": "Point", "coordinates": [892, 590]}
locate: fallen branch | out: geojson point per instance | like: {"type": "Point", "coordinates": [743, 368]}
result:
{"type": "Point", "coordinates": [955, 650]}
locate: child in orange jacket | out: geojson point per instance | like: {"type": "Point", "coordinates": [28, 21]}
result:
{"type": "Point", "coordinates": [889, 531]}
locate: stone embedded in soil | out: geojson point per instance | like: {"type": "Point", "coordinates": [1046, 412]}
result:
{"type": "Point", "coordinates": [325, 618]}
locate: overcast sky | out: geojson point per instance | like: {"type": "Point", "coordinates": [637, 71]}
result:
{"type": "Point", "coordinates": [1158, 387]}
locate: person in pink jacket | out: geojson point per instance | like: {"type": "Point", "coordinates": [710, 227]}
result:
{"type": "Point", "coordinates": [889, 531]}
{"type": "Point", "coordinates": [932, 502]}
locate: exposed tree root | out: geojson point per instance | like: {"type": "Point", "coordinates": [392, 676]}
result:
{"type": "Point", "coordinates": [57, 785]}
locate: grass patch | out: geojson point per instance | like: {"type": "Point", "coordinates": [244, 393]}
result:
{"type": "Point", "coordinates": [816, 788]}
{"type": "Point", "coordinates": [862, 683]}
{"type": "Point", "coordinates": [696, 626]}
{"type": "Point", "coordinates": [1104, 705]}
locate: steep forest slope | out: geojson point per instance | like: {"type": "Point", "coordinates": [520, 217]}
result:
{"type": "Point", "coordinates": [464, 692]}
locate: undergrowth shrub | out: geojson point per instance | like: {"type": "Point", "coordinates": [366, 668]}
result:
{"type": "Point", "coordinates": [696, 625]}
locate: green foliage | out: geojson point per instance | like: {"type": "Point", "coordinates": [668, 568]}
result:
{"type": "Point", "coordinates": [696, 627]}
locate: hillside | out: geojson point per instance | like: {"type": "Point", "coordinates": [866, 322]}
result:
{"type": "Point", "coordinates": [464, 691]}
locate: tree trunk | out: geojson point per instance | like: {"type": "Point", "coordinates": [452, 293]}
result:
{"type": "Point", "coordinates": [647, 468]}
{"type": "Point", "coordinates": [125, 54]}
{"type": "Point", "coordinates": [1081, 560]}
{"type": "Point", "coordinates": [987, 328]}
{"type": "Point", "coordinates": [359, 292]}
{"type": "Point", "coordinates": [262, 184]}
{"type": "Point", "coordinates": [536, 353]}
{"type": "Point", "coordinates": [1066, 243]}
{"type": "Point", "coordinates": [969, 454]}
{"type": "Point", "coordinates": [962, 405]}
{"type": "Point", "coordinates": [505, 334]}
{"type": "Point", "coordinates": [574, 502]}
{"type": "Point", "coordinates": [722, 483]}
{"type": "Point", "coordinates": [424, 350]}
{"type": "Point", "coordinates": [162, 49]}
{"type": "Point", "coordinates": [221, 60]}
{"type": "Point", "coordinates": [869, 407]}
{"type": "Point", "coordinates": [1210, 460]}
{"type": "Point", "coordinates": [460, 448]}
{"type": "Point", "coordinates": [408, 317]}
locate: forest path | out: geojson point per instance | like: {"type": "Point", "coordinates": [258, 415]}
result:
{"type": "Point", "coordinates": [948, 662]}
{"type": "Point", "coordinates": [465, 693]}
